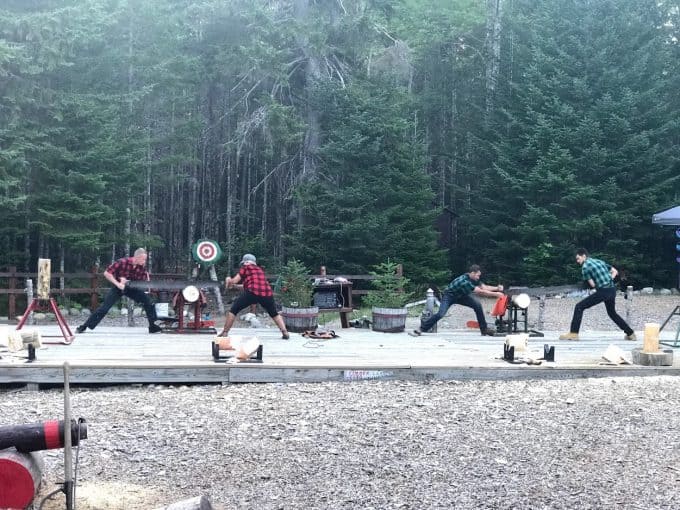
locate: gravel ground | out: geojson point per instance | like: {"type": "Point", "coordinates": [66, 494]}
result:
{"type": "Point", "coordinates": [583, 443]}
{"type": "Point", "coordinates": [586, 443]}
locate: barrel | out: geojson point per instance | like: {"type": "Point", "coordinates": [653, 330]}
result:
{"type": "Point", "coordinates": [20, 475]}
{"type": "Point", "coordinates": [389, 320]}
{"type": "Point", "coordinates": [298, 320]}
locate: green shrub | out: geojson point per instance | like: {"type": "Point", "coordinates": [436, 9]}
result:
{"type": "Point", "coordinates": [296, 285]}
{"type": "Point", "coordinates": [389, 287]}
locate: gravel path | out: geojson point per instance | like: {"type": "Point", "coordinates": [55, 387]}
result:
{"type": "Point", "coordinates": [589, 443]}
{"type": "Point", "coordinates": [585, 443]}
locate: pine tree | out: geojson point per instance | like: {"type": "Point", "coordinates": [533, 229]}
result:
{"type": "Point", "coordinates": [374, 203]}
{"type": "Point", "coordinates": [576, 155]}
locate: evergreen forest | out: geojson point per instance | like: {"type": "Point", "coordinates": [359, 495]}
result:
{"type": "Point", "coordinates": [344, 133]}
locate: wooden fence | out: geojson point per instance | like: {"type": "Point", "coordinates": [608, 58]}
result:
{"type": "Point", "coordinates": [13, 284]}
{"type": "Point", "coordinates": [93, 282]}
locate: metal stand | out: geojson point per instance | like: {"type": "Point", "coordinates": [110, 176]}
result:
{"type": "Point", "coordinates": [676, 311]}
{"type": "Point", "coordinates": [510, 325]}
{"type": "Point", "coordinates": [195, 326]}
{"type": "Point", "coordinates": [217, 358]}
{"type": "Point", "coordinates": [45, 305]}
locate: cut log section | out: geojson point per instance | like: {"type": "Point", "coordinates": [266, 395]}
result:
{"type": "Point", "coordinates": [197, 503]}
{"type": "Point", "coordinates": [20, 475]}
{"type": "Point", "coordinates": [662, 358]}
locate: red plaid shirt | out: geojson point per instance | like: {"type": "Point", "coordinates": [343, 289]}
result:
{"type": "Point", "coordinates": [125, 268]}
{"type": "Point", "coordinates": [254, 280]}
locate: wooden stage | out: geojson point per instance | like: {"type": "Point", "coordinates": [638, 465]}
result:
{"type": "Point", "coordinates": [121, 355]}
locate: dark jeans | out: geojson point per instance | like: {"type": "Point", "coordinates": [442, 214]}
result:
{"type": "Point", "coordinates": [113, 296]}
{"type": "Point", "coordinates": [445, 304]}
{"type": "Point", "coordinates": [607, 295]}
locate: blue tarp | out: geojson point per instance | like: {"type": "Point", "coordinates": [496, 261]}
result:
{"type": "Point", "coordinates": [668, 217]}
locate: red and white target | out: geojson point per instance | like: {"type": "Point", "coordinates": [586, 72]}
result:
{"type": "Point", "coordinates": [207, 252]}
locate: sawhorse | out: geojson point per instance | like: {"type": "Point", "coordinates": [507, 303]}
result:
{"type": "Point", "coordinates": [676, 311]}
{"type": "Point", "coordinates": [47, 305]}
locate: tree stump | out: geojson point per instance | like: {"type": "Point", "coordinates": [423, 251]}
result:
{"type": "Point", "coordinates": [661, 358]}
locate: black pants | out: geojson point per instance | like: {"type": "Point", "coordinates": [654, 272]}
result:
{"type": "Point", "coordinates": [247, 298]}
{"type": "Point", "coordinates": [608, 296]}
{"type": "Point", "coordinates": [113, 296]}
{"type": "Point", "coordinates": [447, 301]}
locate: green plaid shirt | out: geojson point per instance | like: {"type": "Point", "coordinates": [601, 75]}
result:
{"type": "Point", "coordinates": [598, 271]}
{"type": "Point", "coordinates": [462, 285]}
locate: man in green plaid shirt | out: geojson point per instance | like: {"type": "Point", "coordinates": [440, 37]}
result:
{"type": "Point", "coordinates": [460, 292]}
{"type": "Point", "coordinates": [599, 276]}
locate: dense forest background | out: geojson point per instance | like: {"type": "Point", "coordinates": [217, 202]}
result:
{"type": "Point", "coordinates": [434, 133]}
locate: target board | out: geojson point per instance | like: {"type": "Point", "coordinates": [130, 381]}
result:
{"type": "Point", "coordinates": [206, 252]}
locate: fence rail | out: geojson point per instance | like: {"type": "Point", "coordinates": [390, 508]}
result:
{"type": "Point", "coordinates": [96, 284]}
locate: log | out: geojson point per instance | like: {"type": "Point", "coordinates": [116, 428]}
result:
{"type": "Point", "coordinates": [44, 276]}
{"type": "Point", "coordinates": [20, 475]}
{"type": "Point", "coordinates": [40, 436]}
{"type": "Point", "coordinates": [651, 338]}
{"type": "Point", "coordinates": [197, 503]}
{"type": "Point", "coordinates": [662, 358]}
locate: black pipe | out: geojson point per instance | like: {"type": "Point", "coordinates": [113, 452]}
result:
{"type": "Point", "coordinates": [40, 436]}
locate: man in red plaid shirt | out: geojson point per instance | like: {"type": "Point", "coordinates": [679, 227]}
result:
{"type": "Point", "coordinates": [256, 289]}
{"type": "Point", "coordinates": [119, 273]}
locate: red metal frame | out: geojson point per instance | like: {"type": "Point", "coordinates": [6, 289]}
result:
{"type": "Point", "coordinates": [45, 305]}
{"type": "Point", "coordinates": [195, 326]}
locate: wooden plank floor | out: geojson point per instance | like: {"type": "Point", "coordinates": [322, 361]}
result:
{"type": "Point", "coordinates": [131, 355]}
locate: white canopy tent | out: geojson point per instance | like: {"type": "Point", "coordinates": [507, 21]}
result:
{"type": "Point", "coordinates": [668, 217]}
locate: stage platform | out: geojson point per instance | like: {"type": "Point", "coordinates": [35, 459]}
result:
{"type": "Point", "coordinates": [124, 355]}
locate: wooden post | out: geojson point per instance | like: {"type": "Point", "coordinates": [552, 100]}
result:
{"type": "Point", "coordinates": [94, 295]}
{"type": "Point", "coordinates": [12, 311]}
{"type": "Point", "coordinates": [322, 270]}
{"type": "Point", "coordinates": [651, 338]}
{"type": "Point", "coordinates": [629, 302]}
{"type": "Point", "coordinates": [44, 275]}
{"type": "Point", "coordinates": [541, 311]}
{"type": "Point", "coordinates": [216, 289]}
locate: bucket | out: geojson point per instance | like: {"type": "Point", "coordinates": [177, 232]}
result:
{"type": "Point", "coordinates": [651, 338]}
{"type": "Point", "coordinates": [162, 309]}
{"type": "Point", "coordinates": [298, 320]}
{"type": "Point", "coordinates": [389, 320]}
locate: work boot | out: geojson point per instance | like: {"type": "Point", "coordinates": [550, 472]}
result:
{"type": "Point", "coordinates": [154, 328]}
{"type": "Point", "coordinates": [569, 336]}
{"type": "Point", "coordinates": [630, 337]}
{"type": "Point", "coordinates": [81, 329]}
{"type": "Point", "coordinates": [488, 332]}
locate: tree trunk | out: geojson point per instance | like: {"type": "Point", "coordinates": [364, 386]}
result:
{"type": "Point", "coordinates": [312, 77]}
{"type": "Point", "coordinates": [493, 51]}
